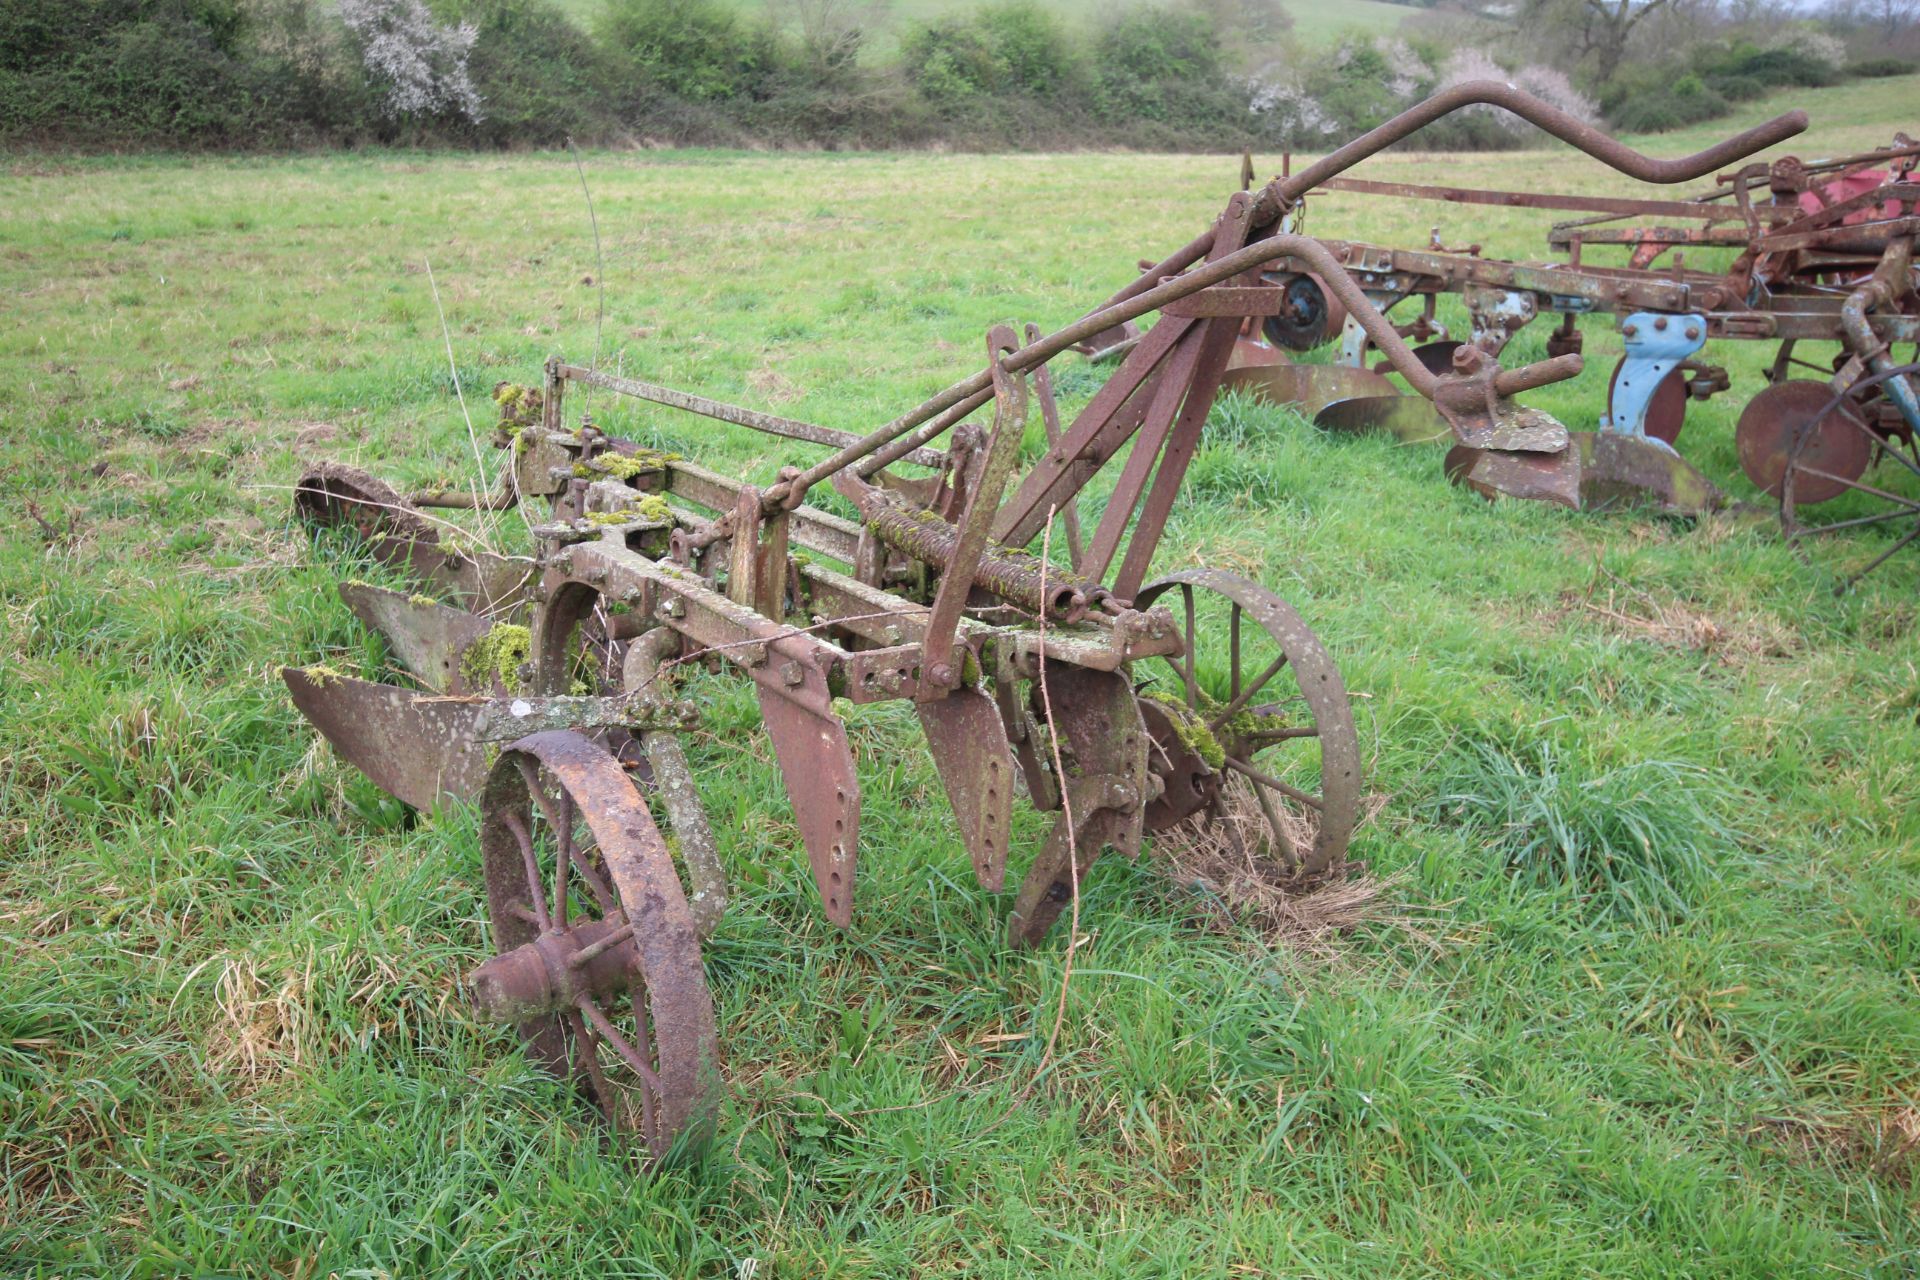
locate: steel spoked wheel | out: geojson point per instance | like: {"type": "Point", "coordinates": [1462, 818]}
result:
{"type": "Point", "coordinates": [1819, 499]}
{"type": "Point", "coordinates": [597, 956]}
{"type": "Point", "coordinates": [1255, 705]}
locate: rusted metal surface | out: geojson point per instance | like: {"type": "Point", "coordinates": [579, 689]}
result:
{"type": "Point", "coordinates": [940, 670]}
{"type": "Point", "coordinates": [974, 759]}
{"type": "Point", "coordinates": [673, 780]}
{"type": "Point", "coordinates": [1891, 515]}
{"type": "Point", "coordinates": [1309, 388]}
{"type": "Point", "coordinates": [1408, 419]}
{"type": "Point", "coordinates": [1597, 470]}
{"type": "Point", "coordinates": [1098, 726]}
{"type": "Point", "coordinates": [418, 749]}
{"type": "Point", "coordinates": [428, 638]}
{"type": "Point", "coordinates": [1282, 696]}
{"type": "Point", "coordinates": [340, 497]}
{"type": "Point", "coordinates": [1824, 255]}
{"type": "Point", "coordinates": [587, 914]}
{"type": "Point", "coordinates": [1803, 415]}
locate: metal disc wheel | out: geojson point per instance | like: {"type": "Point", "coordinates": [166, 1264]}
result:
{"type": "Point", "coordinates": [1667, 410]}
{"type": "Point", "coordinates": [597, 955]}
{"type": "Point", "coordinates": [1802, 419]}
{"type": "Point", "coordinates": [1255, 706]}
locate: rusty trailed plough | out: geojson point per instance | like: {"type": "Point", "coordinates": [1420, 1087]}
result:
{"type": "Point", "coordinates": [1122, 703]}
{"type": "Point", "coordinates": [1818, 252]}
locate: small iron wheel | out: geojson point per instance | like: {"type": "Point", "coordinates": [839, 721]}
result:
{"type": "Point", "coordinates": [1256, 698]}
{"type": "Point", "coordinates": [1667, 410]}
{"type": "Point", "coordinates": [597, 955]}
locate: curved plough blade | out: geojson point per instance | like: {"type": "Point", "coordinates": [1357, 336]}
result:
{"type": "Point", "coordinates": [414, 746]}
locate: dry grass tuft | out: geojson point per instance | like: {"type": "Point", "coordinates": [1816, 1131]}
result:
{"type": "Point", "coordinates": [775, 386]}
{"type": "Point", "coordinates": [1228, 861]}
{"type": "Point", "coordinates": [1734, 639]}
{"type": "Point", "coordinates": [260, 1027]}
{"type": "Point", "coordinates": [1885, 1141]}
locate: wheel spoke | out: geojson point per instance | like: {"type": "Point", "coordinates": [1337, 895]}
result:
{"type": "Point", "coordinates": [1861, 485]}
{"type": "Point", "coordinates": [1281, 840]}
{"type": "Point", "coordinates": [1247, 771]}
{"type": "Point", "coordinates": [650, 1083]}
{"type": "Point", "coordinates": [1233, 652]}
{"type": "Point", "coordinates": [594, 950]}
{"type": "Point", "coordinates": [1884, 556]}
{"type": "Point", "coordinates": [1232, 708]}
{"type": "Point", "coordinates": [1860, 520]}
{"type": "Point", "coordinates": [595, 884]}
{"type": "Point", "coordinates": [1193, 648]}
{"type": "Point", "coordinates": [1880, 443]}
{"type": "Point", "coordinates": [536, 888]}
{"type": "Point", "coordinates": [563, 858]}
{"type": "Point", "coordinates": [1281, 735]}
{"type": "Point", "coordinates": [531, 772]}
{"type": "Point", "coordinates": [584, 1039]}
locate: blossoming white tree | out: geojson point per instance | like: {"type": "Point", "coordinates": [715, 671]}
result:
{"type": "Point", "coordinates": [422, 63]}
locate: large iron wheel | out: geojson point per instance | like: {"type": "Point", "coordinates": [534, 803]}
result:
{"type": "Point", "coordinates": [1255, 697]}
{"type": "Point", "coordinates": [597, 954]}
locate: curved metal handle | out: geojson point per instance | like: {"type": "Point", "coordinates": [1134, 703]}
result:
{"type": "Point", "coordinates": [1281, 193]}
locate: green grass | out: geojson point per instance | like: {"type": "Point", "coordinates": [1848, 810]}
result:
{"type": "Point", "coordinates": [1666, 1022]}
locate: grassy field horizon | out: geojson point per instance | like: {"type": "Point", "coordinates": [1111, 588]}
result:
{"type": "Point", "coordinates": [1642, 997]}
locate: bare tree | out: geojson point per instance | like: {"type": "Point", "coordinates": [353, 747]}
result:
{"type": "Point", "coordinates": [829, 33]}
{"type": "Point", "coordinates": [1593, 31]}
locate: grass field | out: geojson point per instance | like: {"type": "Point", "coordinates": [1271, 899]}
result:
{"type": "Point", "coordinates": [231, 1041]}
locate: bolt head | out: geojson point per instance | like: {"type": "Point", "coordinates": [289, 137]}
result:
{"type": "Point", "coordinates": [792, 674]}
{"type": "Point", "coordinates": [941, 673]}
{"type": "Point", "coordinates": [1693, 332]}
{"type": "Point", "coordinates": [1660, 323]}
{"type": "Point", "coordinates": [1628, 330]}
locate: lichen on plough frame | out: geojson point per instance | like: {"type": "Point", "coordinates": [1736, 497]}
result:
{"type": "Point", "coordinates": [1121, 703]}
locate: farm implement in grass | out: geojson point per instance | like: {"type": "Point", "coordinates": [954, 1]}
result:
{"type": "Point", "coordinates": [1818, 252]}
{"type": "Point", "coordinates": [552, 689]}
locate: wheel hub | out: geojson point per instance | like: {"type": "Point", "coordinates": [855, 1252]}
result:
{"type": "Point", "coordinates": [1188, 782]}
{"type": "Point", "coordinates": [550, 974]}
